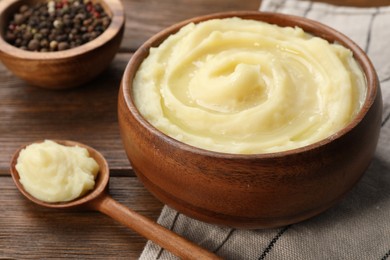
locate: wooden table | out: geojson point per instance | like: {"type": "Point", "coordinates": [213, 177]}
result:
{"type": "Point", "coordinates": [86, 114]}
{"type": "Point", "coordinates": [89, 115]}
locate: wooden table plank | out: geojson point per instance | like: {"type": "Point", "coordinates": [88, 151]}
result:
{"type": "Point", "coordinates": [147, 17]}
{"type": "Point", "coordinates": [87, 114]}
{"type": "Point", "coordinates": [28, 230]}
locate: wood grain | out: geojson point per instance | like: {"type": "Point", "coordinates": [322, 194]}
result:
{"type": "Point", "coordinates": [88, 115]}
{"type": "Point", "coordinates": [29, 113]}
{"type": "Point", "coordinates": [251, 191]}
{"type": "Point", "coordinates": [28, 230]}
{"type": "Point", "coordinates": [99, 200]}
{"type": "Point", "coordinates": [147, 17]}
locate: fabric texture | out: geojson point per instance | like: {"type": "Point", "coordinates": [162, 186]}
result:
{"type": "Point", "coordinates": [356, 228]}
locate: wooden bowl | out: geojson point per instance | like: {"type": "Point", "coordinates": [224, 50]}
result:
{"type": "Point", "coordinates": [259, 190]}
{"type": "Point", "coordinates": [68, 68]}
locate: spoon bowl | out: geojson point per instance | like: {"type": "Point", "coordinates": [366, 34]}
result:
{"type": "Point", "coordinates": [98, 199]}
{"type": "Point", "coordinates": [101, 181]}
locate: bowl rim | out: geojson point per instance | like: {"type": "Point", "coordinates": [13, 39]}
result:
{"type": "Point", "coordinates": [117, 21]}
{"type": "Point", "coordinates": [316, 28]}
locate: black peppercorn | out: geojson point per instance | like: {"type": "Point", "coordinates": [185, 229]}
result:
{"type": "Point", "coordinates": [56, 25]}
{"type": "Point", "coordinates": [33, 45]}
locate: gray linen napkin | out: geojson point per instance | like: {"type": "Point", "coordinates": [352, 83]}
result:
{"type": "Point", "coordinates": [356, 228]}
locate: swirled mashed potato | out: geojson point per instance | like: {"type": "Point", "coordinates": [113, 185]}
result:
{"type": "Point", "coordinates": [244, 86]}
{"type": "Point", "coordinates": [56, 173]}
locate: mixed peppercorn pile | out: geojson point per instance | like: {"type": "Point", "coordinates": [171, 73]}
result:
{"type": "Point", "coordinates": [56, 25]}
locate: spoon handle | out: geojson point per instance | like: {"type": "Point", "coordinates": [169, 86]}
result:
{"type": "Point", "coordinates": [149, 229]}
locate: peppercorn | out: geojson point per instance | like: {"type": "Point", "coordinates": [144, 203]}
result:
{"type": "Point", "coordinates": [56, 25]}
{"type": "Point", "coordinates": [63, 46]}
{"type": "Point", "coordinates": [33, 45]}
{"type": "Point", "coordinates": [53, 45]}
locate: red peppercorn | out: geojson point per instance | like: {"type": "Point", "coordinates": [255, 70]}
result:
{"type": "Point", "coordinates": [11, 27]}
{"type": "Point", "coordinates": [89, 7]}
{"type": "Point", "coordinates": [59, 5]}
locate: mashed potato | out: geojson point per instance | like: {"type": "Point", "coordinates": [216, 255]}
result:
{"type": "Point", "coordinates": [55, 173]}
{"type": "Point", "coordinates": [244, 86]}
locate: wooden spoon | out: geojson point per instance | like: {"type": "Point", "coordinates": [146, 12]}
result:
{"type": "Point", "coordinates": [99, 200]}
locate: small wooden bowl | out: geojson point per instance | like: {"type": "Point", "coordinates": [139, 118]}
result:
{"type": "Point", "coordinates": [68, 68]}
{"type": "Point", "coordinates": [251, 191]}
